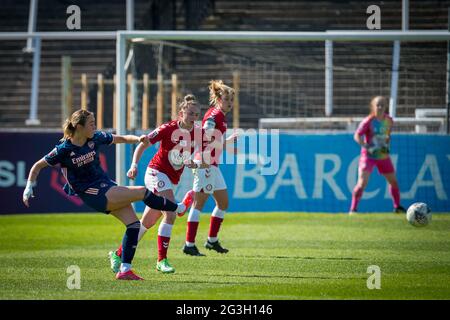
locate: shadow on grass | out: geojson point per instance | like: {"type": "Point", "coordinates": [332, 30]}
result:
{"type": "Point", "coordinates": [211, 282]}
{"type": "Point", "coordinates": [284, 277]}
{"type": "Point", "coordinates": [306, 258]}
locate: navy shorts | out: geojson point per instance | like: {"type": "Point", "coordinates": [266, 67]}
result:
{"type": "Point", "coordinates": [95, 195]}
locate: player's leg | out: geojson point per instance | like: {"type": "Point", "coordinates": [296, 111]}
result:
{"type": "Point", "coordinates": [395, 192]}
{"type": "Point", "coordinates": [121, 196]}
{"type": "Point", "coordinates": [203, 186]}
{"type": "Point", "coordinates": [193, 221]}
{"type": "Point", "coordinates": [386, 168]}
{"type": "Point", "coordinates": [365, 169]}
{"type": "Point", "coordinates": [220, 195]}
{"type": "Point", "coordinates": [150, 216]}
{"type": "Point", "coordinates": [129, 243]}
{"type": "Point", "coordinates": [149, 219]}
{"type": "Point", "coordinates": [164, 235]}
{"type": "Point", "coordinates": [217, 216]}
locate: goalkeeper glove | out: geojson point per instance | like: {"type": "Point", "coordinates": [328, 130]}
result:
{"type": "Point", "coordinates": [28, 192]}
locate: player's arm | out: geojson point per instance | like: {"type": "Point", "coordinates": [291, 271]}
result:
{"type": "Point", "coordinates": [132, 172]}
{"type": "Point", "coordinates": [369, 147]}
{"type": "Point", "coordinates": [129, 138]}
{"type": "Point", "coordinates": [230, 143]}
{"type": "Point", "coordinates": [31, 182]}
{"type": "Point", "coordinates": [388, 137]}
{"type": "Point", "coordinates": [359, 139]}
{"type": "Point", "coordinates": [359, 133]}
{"type": "Point", "coordinates": [389, 131]}
{"type": "Point", "coordinates": [209, 127]}
{"type": "Point", "coordinates": [232, 138]}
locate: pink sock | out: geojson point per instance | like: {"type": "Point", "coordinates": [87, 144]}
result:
{"type": "Point", "coordinates": [356, 196]}
{"type": "Point", "coordinates": [395, 193]}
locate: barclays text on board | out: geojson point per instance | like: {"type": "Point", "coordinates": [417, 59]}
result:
{"type": "Point", "coordinates": [317, 173]}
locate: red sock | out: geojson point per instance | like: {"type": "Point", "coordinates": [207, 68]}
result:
{"type": "Point", "coordinates": [214, 226]}
{"type": "Point", "coordinates": [119, 251]}
{"type": "Point", "coordinates": [163, 245]}
{"type": "Point", "coordinates": [191, 231]}
{"type": "Point", "coordinates": [356, 196]}
{"type": "Point", "coordinates": [395, 193]}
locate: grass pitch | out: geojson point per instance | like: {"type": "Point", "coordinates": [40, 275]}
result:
{"type": "Point", "coordinates": [272, 256]}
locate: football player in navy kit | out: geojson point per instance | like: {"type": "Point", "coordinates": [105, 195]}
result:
{"type": "Point", "coordinates": [78, 157]}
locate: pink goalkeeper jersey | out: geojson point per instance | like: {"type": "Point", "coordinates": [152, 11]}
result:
{"type": "Point", "coordinates": [376, 132]}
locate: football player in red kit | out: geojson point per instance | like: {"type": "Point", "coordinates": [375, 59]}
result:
{"type": "Point", "coordinates": [178, 141]}
{"type": "Point", "coordinates": [210, 181]}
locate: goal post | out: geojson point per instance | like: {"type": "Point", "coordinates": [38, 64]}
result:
{"type": "Point", "coordinates": [124, 38]}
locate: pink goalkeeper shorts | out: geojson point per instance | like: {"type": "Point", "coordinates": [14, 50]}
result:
{"type": "Point", "coordinates": [384, 166]}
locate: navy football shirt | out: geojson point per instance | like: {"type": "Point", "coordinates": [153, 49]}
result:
{"type": "Point", "coordinates": [80, 165]}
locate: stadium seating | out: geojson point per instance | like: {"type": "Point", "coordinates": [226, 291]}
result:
{"type": "Point", "coordinates": [422, 81]}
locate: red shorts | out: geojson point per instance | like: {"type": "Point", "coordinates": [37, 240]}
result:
{"type": "Point", "coordinates": [384, 166]}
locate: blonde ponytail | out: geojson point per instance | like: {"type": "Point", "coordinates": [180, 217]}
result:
{"type": "Point", "coordinates": [217, 89]}
{"type": "Point", "coordinates": [68, 130]}
{"type": "Point", "coordinates": [70, 125]}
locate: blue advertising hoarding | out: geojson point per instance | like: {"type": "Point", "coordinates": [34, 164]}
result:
{"type": "Point", "coordinates": [317, 173]}
{"type": "Point", "coordinates": [18, 152]}
{"type": "Point", "coordinates": [314, 173]}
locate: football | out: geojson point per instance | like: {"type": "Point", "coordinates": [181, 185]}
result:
{"type": "Point", "coordinates": [419, 214]}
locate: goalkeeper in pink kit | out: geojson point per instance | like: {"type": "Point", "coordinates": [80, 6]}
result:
{"type": "Point", "coordinates": [376, 129]}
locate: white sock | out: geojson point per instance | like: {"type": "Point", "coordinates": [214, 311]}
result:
{"type": "Point", "coordinates": [142, 231]}
{"type": "Point", "coordinates": [124, 267]}
{"type": "Point", "coordinates": [165, 229]}
{"type": "Point", "coordinates": [190, 244]}
{"type": "Point", "coordinates": [218, 213]}
{"type": "Point", "coordinates": [213, 239]}
{"type": "Point", "coordinates": [194, 215]}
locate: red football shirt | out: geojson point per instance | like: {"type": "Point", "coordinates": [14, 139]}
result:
{"type": "Point", "coordinates": [177, 145]}
{"type": "Point", "coordinates": [215, 118]}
